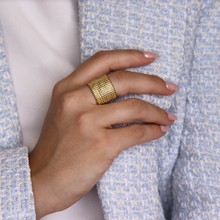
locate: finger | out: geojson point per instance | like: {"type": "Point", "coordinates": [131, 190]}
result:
{"type": "Point", "coordinates": [104, 62]}
{"type": "Point", "coordinates": [129, 110]}
{"type": "Point", "coordinates": [131, 135]}
{"type": "Point", "coordinates": [126, 82]}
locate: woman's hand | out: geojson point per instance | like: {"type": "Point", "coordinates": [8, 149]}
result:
{"type": "Point", "coordinates": [77, 143]}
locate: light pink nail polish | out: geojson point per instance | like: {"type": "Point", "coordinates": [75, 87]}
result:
{"type": "Point", "coordinates": [164, 128]}
{"type": "Point", "coordinates": [171, 116]}
{"type": "Point", "coordinates": [171, 86]}
{"type": "Point", "coordinates": [151, 54]}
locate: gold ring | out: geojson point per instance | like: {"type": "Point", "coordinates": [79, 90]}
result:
{"type": "Point", "coordinates": [102, 89]}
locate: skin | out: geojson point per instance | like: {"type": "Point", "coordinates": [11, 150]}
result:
{"type": "Point", "coordinates": [77, 143]}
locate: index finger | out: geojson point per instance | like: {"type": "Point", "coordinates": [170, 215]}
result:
{"type": "Point", "coordinates": [104, 62]}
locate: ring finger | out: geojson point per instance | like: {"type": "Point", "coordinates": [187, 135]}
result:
{"type": "Point", "coordinates": [125, 82]}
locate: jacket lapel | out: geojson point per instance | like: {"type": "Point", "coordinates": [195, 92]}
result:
{"type": "Point", "coordinates": [10, 133]}
{"type": "Point", "coordinates": [16, 195]}
{"type": "Point", "coordinates": [138, 184]}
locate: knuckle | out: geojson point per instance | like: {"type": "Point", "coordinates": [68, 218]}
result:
{"type": "Point", "coordinates": [65, 99]}
{"type": "Point", "coordinates": [85, 119]}
{"type": "Point", "coordinates": [57, 89]}
{"type": "Point", "coordinates": [100, 55]}
{"type": "Point", "coordinates": [155, 131]}
{"type": "Point", "coordinates": [137, 105]}
{"type": "Point", "coordinates": [122, 75]}
{"type": "Point", "coordinates": [103, 145]}
{"type": "Point", "coordinates": [156, 79]}
{"type": "Point", "coordinates": [69, 100]}
{"type": "Point", "coordinates": [138, 131]}
{"type": "Point", "coordinates": [116, 109]}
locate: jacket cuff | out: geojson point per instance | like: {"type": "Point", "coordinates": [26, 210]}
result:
{"type": "Point", "coordinates": [17, 201]}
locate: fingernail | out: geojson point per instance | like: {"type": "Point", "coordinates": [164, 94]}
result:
{"type": "Point", "coordinates": [164, 128]}
{"type": "Point", "coordinates": [151, 55]}
{"type": "Point", "coordinates": [171, 116]}
{"type": "Point", "coordinates": [172, 86]}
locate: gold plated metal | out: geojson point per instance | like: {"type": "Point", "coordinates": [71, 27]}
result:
{"type": "Point", "coordinates": [102, 89]}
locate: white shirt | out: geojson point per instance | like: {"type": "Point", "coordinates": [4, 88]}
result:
{"type": "Point", "coordinates": [42, 45]}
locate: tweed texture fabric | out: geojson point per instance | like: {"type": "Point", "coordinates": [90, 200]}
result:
{"type": "Point", "coordinates": [176, 176]}
{"type": "Point", "coordinates": [16, 191]}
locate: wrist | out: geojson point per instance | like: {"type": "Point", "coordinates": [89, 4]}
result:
{"type": "Point", "coordinates": [42, 196]}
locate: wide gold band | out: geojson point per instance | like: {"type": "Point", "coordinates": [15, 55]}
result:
{"type": "Point", "coordinates": [102, 89]}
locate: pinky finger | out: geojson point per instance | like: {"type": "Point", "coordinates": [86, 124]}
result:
{"type": "Point", "coordinates": [131, 135]}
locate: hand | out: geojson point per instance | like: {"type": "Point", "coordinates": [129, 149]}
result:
{"type": "Point", "coordinates": [77, 143]}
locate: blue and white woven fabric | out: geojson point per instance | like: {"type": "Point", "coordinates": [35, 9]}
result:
{"type": "Point", "coordinates": [16, 194]}
{"type": "Point", "coordinates": [178, 175]}
{"type": "Point", "coordinates": [175, 177]}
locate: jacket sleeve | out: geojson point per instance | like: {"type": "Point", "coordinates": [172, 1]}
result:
{"type": "Point", "coordinates": [16, 191]}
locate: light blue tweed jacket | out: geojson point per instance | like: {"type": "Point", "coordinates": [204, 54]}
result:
{"type": "Point", "coordinates": [175, 177]}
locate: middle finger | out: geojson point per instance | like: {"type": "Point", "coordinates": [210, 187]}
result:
{"type": "Point", "coordinates": [126, 82]}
